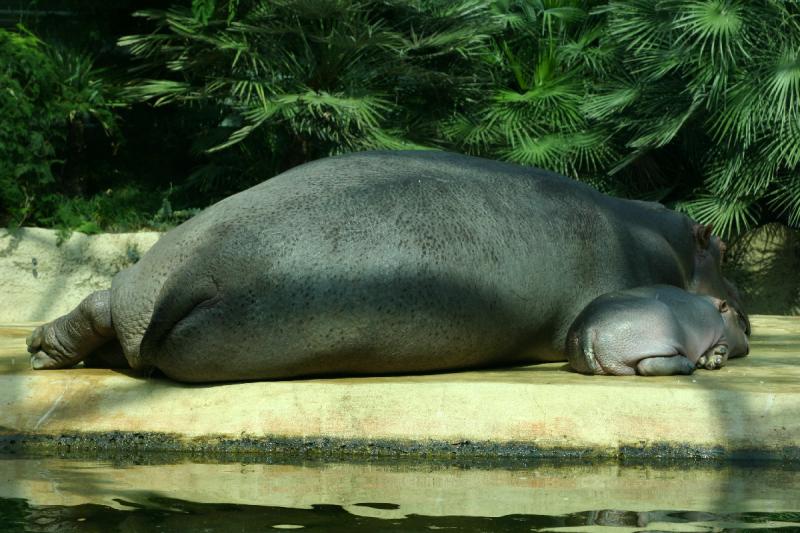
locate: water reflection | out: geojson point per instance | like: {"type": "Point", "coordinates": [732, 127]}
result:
{"type": "Point", "coordinates": [53, 494]}
{"type": "Point", "coordinates": [177, 515]}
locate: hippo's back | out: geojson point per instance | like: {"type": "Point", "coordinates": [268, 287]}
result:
{"type": "Point", "coordinates": [431, 246]}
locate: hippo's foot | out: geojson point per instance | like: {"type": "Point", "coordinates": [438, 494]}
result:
{"type": "Point", "coordinates": [714, 358]}
{"type": "Point", "coordinates": [665, 366]}
{"type": "Point", "coordinates": [69, 339]}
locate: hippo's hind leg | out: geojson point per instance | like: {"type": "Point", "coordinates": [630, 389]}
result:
{"type": "Point", "coordinates": [69, 339]}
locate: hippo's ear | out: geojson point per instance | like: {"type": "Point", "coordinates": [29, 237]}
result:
{"type": "Point", "coordinates": [702, 235]}
{"type": "Point", "coordinates": [722, 306]}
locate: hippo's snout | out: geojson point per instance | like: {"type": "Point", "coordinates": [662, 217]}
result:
{"type": "Point", "coordinates": [580, 353]}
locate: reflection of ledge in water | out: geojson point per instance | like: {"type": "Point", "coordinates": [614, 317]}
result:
{"type": "Point", "coordinates": [747, 409]}
{"type": "Point", "coordinates": [403, 489]}
{"type": "Point", "coordinates": [189, 516]}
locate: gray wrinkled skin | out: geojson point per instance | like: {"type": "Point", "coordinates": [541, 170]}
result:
{"type": "Point", "coordinates": [382, 262]}
{"type": "Point", "coordinates": [655, 331]}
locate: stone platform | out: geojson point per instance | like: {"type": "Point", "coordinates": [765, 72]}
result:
{"type": "Point", "coordinates": [749, 409]}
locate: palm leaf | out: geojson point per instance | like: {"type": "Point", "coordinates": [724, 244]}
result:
{"type": "Point", "coordinates": [658, 134]}
{"type": "Point", "coordinates": [713, 29]}
{"type": "Point", "coordinates": [782, 145]}
{"type": "Point", "coordinates": [785, 198]}
{"type": "Point", "coordinates": [728, 216]}
{"type": "Point", "coordinates": [547, 151]}
{"type": "Point", "coordinates": [638, 25]}
{"type": "Point", "coordinates": [615, 98]}
{"type": "Point", "coordinates": [161, 92]}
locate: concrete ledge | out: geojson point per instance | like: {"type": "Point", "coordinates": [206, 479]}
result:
{"type": "Point", "coordinates": [748, 409]}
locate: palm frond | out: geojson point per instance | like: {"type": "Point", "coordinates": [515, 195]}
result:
{"type": "Point", "coordinates": [590, 151]}
{"type": "Point", "coordinates": [552, 105]}
{"type": "Point", "coordinates": [614, 98]}
{"type": "Point", "coordinates": [547, 151]}
{"type": "Point", "coordinates": [658, 134]}
{"type": "Point", "coordinates": [476, 136]}
{"type": "Point", "coordinates": [782, 85]}
{"type": "Point", "coordinates": [638, 25]}
{"type": "Point", "coordinates": [739, 175]}
{"type": "Point", "coordinates": [764, 96]}
{"type": "Point", "coordinates": [785, 198]}
{"type": "Point", "coordinates": [728, 216]}
{"type": "Point", "coordinates": [713, 29]}
{"type": "Point", "coordinates": [161, 92]}
{"type": "Point", "coordinates": [390, 140]}
{"type": "Point", "coordinates": [782, 145]}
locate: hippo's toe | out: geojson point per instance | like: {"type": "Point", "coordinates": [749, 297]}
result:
{"type": "Point", "coordinates": [34, 340]}
{"type": "Point", "coordinates": [714, 359]}
{"type": "Point", "coordinates": [46, 349]}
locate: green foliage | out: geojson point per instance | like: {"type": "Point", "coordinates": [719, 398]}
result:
{"type": "Point", "coordinates": [695, 103]}
{"type": "Point", "coordinates": [691, 102]}
{"type": "Point", "coordinates": [532, 112]}
{"type": "Point", "coordinates": [307, 78]}
{"type": "Point", "coordinates": [48, 99]}
{"type": "Point", "coordinates": [717, 86]}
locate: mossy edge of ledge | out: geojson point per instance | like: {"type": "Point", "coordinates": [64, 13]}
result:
{"type": "Point", "coordinates": [225, 448]}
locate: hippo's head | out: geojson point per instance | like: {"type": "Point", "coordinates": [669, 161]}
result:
{"type": "Point", "coordinates": [707, 277]}
{"type": "Point", "coordinates": [736, 330]}
{"type": "Point", "coordinates": [732, 343]}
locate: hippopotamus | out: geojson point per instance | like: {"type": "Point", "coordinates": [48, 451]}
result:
{"type": "Point", "coordinates": [655, 331]}
{"type": "Point", "coordinates": [382, 263]}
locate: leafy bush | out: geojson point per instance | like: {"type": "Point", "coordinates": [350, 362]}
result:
{"type": "Point", "coordinates": [532, 111]}
{"type": "Point", "coordinates": [301, 79]}
{"type": "Point", "coordinates": [707, 98]}
{"type": "Point", "coordinates": [695, 103]}
{"type": "Point", "coordinates": [49, 99]}
{"type": "Point", "coordinates": [691, 102]}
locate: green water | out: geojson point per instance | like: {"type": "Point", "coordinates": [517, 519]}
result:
{"type": "Point", "coordinates": [53, 494]}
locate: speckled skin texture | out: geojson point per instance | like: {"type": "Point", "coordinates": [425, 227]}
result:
{"type": "Point", "coordinates": [655, 330]}
{"type": "Point", "coordinates": [392, 262]}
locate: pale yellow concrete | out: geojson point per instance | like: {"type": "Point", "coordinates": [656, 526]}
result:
{"type": "Point", "coordinates": [42, 278]}
{"type": "Point", "coordinates": [415, 488]}
{"type": "Point", "coordinates": [751, 405]}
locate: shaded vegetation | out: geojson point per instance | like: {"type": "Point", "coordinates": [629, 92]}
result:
{"type": "Point", "coordinates": [295, 80]}
{"type": "Point", "coordinates": [695, 103]}
{"type": "Point", "coordinates": [53, 101]}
